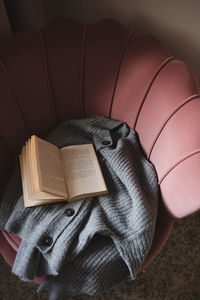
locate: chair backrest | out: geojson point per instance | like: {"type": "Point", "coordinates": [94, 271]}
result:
{"type": "Point", "coordinates": [70, 70]}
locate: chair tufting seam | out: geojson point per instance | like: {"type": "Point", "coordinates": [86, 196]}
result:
{"type": "Point", "coordinates": [182, 104]}
{"type": "Point", "coordinates": [178, 163]}
{"type": "Point", "coordinates": [155, 75]}
{"type": "Point", "coordinates": [47, 76]}
{"type": "Point", "coordinates": [16, 96]}
{"type": "Point", "coordinates": [82, 73]}
{"type": "Point", "coordinates": [116, 77]}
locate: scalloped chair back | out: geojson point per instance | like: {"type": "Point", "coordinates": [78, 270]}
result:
{"type": "Point", "coordinates": [69, 70]}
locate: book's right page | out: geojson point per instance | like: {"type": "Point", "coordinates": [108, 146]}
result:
{"type": "Point", "coordinates": [82, 171]}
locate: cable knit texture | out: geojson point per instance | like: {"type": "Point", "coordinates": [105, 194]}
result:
{"type": "Point", "coordinates": [108, 237]}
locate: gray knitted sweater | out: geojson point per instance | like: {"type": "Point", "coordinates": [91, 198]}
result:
{"type": "Point", "coordinates": [92, 244]}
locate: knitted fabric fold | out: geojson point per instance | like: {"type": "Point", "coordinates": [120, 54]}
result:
{"type": "Point", "coordinates": [108, 237]}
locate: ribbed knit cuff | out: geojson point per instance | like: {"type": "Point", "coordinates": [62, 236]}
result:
{"type": "Point", "coordinates": [135, 251]}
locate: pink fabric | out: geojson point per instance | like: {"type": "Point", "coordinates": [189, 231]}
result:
{"type": "Point", "coordinates": [7, 250]}
{"type": "Point", "coordinates": [69, 70]}
{"type": "Point", "coordinates": [12, 239]}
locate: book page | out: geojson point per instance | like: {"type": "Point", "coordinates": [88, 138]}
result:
{"type": "Point", "coordinates": [32, 197]}
{"type": "Point", "coordinates": [24, 176]}
{"type": "Point", "coordinates": [28, 193]}
{"type": "Point", "coordinates": [48, 163]}
{"type": "Point", "coordinates": [82, 171]}
{"type": "Point", "coordinates": [33, 177]}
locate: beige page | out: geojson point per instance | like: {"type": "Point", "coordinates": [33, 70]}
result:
{"type": "Point", "coordinates": [82, 171]}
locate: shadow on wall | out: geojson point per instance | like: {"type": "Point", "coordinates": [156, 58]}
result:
{"type": "Point", "coordinates": [183, 44]}
{"type": "Point", "coordinates": [175, 23]}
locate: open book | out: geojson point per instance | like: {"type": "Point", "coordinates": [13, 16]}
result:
{"type": "Point", "coordinates": [50, 174]}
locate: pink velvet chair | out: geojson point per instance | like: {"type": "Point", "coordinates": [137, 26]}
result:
{"type": "Point", "coordinates": [71, 70]}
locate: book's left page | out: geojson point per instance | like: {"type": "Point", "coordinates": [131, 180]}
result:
{"type": "Point", "coordinates": [33, 196]}
{"type": "Point", "coordinates": [49, 168]}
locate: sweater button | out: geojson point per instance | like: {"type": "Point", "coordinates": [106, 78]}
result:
{"type": "Point", "coordinates": [70, 212]}
{"type": "Point", "coordinates": [106, 143]}
{"type": "Point", "coordinates": [47, 241]}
